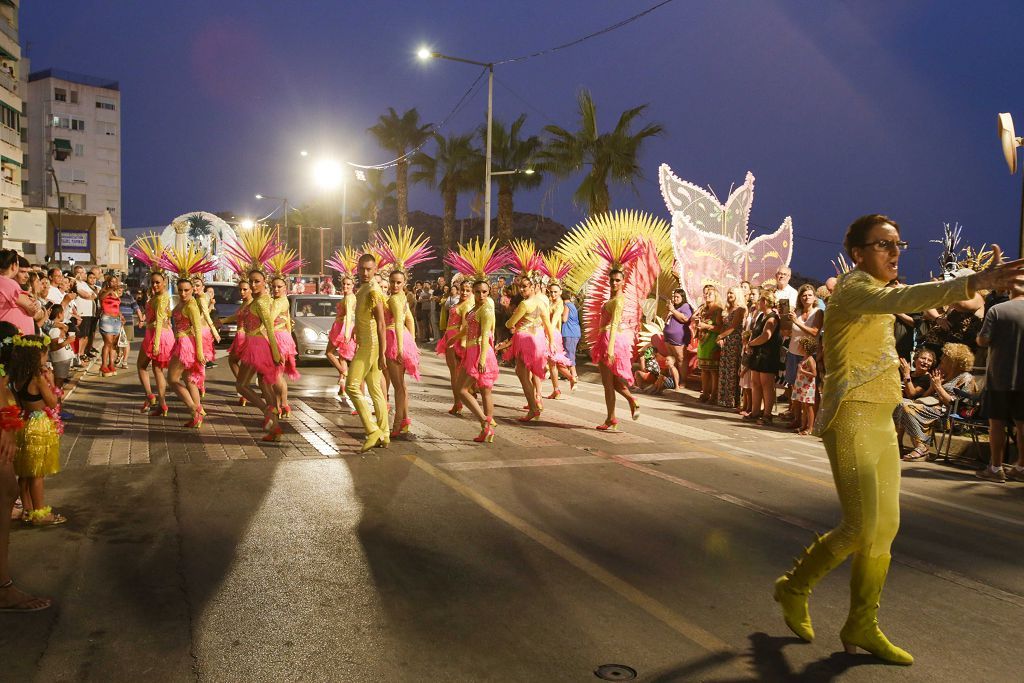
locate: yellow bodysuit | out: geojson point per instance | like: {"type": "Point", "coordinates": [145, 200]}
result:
{"type": "Point", "coordinates": [365, 365]}
{"type": "Point", "coordinates": [860, 392]}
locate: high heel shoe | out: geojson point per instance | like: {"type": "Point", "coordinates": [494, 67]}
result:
{"type": "Point", "coordinates": [159, 410]}
{"type": "Point", "coordinates": [867, 578]}
{"type": "Point", "coordinates": [269, 416]}
{"type": "Point", "coordinates": [195, 423]}
{"type": "Point", "coordinates": [402, 428]}
{"type": "Point", "coordinates": [486, 435]}
{"type": "Point", "coordinates": [530, 416]}
{"type": "Point", "coordinates": [286, 411]}
{"type": "Point", "coordinates": [202, 411]}
{"type": "Point", "coordinates": [243, 401]}
{"type": "Point", "coordinates": [273, 435]}
{"type": "Point", "coordinates": [148, 403]}
{"type": "Point", "coordinates": [634, 410]}
{"type": "Point", "coordinates": [612, 426]}
{"type": "Point", "coordinates": [456, 409]}
{"type": "Point", "coordinates": [555, 394]}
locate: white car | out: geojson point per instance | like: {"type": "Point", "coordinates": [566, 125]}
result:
{"type": "Point", "coordinates": [312, 317]}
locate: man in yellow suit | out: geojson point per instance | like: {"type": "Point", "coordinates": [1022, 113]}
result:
{"type": "Point", "coordinates": [369, 359]}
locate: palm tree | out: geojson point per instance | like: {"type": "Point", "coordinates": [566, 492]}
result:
{"type": "Point", "coordinates": [511, 152]}
{"type": "Point", "coordinates": [456, 167]}
{"type": "Point", "coordinates": [375, 195]}
{"type": "Point", "coordinates": [399, 134]}
{"type": "Point", "coordinates": [607, 157]}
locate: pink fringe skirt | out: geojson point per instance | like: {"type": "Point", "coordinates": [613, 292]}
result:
{"type": "Point", "coordinates": [185, 351]}
{"type": "Point", "coordinates": [256, 354]}
{"type": "Point", "coordinates": [162, 359]}
{"type": "Point", "coordinates": [471, 366]}
{"type": "Point", "coordinates": [531, 349]}
{"type": "Point", "coordinates": [558, 357]}
{"type": "Point", "coordinates": [338, 337]}
{"type": "Point", "coordinates": [442, 344]}
{"type": "Point", "coordinates": [235, 350]}
{"type": "Point", "coordinates": [410, 354]}
{"type": "Point", "coordinates": [623, 365]}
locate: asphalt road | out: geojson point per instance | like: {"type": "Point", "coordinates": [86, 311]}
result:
{"type": "Point", "coordinates": [540, 557]}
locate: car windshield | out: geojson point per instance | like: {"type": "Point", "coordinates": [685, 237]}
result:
{"type": "Point", "coordinates": [227, 294]}
{"type": "Point", "coordinates": [314, 307]}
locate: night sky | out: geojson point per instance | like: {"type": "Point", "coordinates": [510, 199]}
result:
{"type": "Point", "coordinates": [838, 108]}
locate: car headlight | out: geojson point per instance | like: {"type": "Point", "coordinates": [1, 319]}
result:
{"type": "Point", "coordinates": [309, 334]}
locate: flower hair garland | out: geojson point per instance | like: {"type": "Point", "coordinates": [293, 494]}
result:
{"type": "Point", "coordinates": [479, 259]}
{"type": "Point", "coordinates": [402, 249]}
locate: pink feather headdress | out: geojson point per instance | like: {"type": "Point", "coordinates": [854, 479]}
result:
{"type": "Point", "coordinates": [401, 248]}
{"type": "Point", "coordinates": [188, 262]}
{"type": "Point", "coordinates": [479, 260]}
{"type": "Point", "coordinates": [149, 251]}
{"type": "Point", "coordinates": [526, 260]}
{"type": "Point", "coordinates": [252, 251]}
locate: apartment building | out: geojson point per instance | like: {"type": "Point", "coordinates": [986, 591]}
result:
{"type": "Point", "coordinates": [11, 93]}
{"type": "Point", "coordinates": [74, 127]}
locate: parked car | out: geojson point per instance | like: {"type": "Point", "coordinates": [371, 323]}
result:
{"type": "Point", "coordinates": [312, 317]}
{"type": "Point", "coordinates": [226, 301]}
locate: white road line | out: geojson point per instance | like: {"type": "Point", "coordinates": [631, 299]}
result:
{"type": "Point", "coordinates": [677, 428]}
{"type": "Point", "coordinates": [566, 460]}
{"type": "Point", "coordinates": [971, 511]}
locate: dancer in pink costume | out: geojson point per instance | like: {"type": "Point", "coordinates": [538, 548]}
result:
{"type": "Point", "coordinates": [479, 363]}
{"type": "Point", "coordinates": [555, 267]}
{"type": "Point", "coordinates": [400, 250]}
{"type": "Point", "coordinates": [612, 350]}
{"type": "Point", "coordinates": [158, 342]}
{"type": "Point", "coordinates": [341, 340]}
{"type": "Point", "coordinates": [281, 265]}
{"type": "Point", "coordinates": [241, 319]}
{"type": "Point", "coordinates": [193, 338]}
{"type": "Point", "coordinates": [449, 344]}
{"type": "Point", "coordinates": [530, 324]}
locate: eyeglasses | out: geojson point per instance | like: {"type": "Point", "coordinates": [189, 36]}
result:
{"type": "Point", "coordinates": [887, 245]}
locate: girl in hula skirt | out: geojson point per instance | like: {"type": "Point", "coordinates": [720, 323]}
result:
{"type": "Point", "coordinates": [31, 382]}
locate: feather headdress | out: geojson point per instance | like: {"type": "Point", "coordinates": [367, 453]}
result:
{"type": "Point", "coordinates": [478, 259]}
{"type": "Point", "coordinates": [253, 249]}
{"type": "Point", "coordinates": [192, 260]}
{"type": "Point", "coordinates": [283, 263]}
{"type": "Point", "coordinates": [526, 260]}
{"type": "Point", "coordinates": [149, 251]}
{"type": "Point", "coordinates": [555, 266]}
{"type": "Point", "coordinates": [344, 262]}
{"type": "Point", "coordinates": [401, 248]}
{"type": "Point", "coordinates": [579, 246]}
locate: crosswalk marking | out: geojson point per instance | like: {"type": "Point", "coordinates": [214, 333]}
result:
{"type": "Point", "coordinates": [566, 460]}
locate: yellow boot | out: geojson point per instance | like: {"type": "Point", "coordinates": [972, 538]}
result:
{"type": "Point", "coordinates": [793, 587]}
{"type": "Point", "coordinates": [867, 577]}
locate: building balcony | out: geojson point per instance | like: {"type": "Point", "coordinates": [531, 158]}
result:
{"type": "Point", "coordinates": [7, 81]}
{"type": "Point", "coordinates": [10, 136]}
{"type": "Point", "coordinates": [8, 30]}
{"type": "Point", "coordinates": [9, 190]}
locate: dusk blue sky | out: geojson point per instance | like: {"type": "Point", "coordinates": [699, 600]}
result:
{"type": "Point", "coordinates": [838, 108]}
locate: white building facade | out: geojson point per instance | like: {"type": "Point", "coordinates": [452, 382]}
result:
{"type": "Point", "coordinates": [74, 127]}
{"type": "Point", "coordinates": [11, 93]}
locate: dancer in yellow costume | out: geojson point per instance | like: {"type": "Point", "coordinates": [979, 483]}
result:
{"type": "Point", "coordinates": [369, 359]}
{"type": "Point", "coordinates": [855, 421]}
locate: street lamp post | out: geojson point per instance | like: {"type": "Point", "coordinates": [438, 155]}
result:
{"type": "Point", "coordinates": [284, 208]}
{"type": "Point", "coordinates": [425, 54]}
{"type": "Point", "coordinates": [57, 248]}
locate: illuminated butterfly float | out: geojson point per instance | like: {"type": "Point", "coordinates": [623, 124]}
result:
{"type": "Point", "coordinates": [712, 242]}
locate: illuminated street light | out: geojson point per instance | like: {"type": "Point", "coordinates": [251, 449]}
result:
{"type": "Point", "coordinates": [424, 54]}
{"type": "Point", "coordinates": [328, 174]}
{"type": "Point", "coordinates": [247, 224]}
{"type": "Point", "coordinates": [303, 153]}
{"type": "Point", "coordinates": [259, 196]}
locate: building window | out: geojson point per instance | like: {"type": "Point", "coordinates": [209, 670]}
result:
{"type": "Point", "coordinates": [24, 161]}
{"type": "Point", "coordinates": [109, 129]}
{"type": "Point", "coordinates": [102, 103]}
{"type": "Point", "coordinates": [77, 124]}
{"type": "Point", "coordinates": [112, 209]}
{"type": "Point", "coordinates": [77, 176]}
{"type": "Point", "coordinates": [10, 118]}
{"type": "Point", "coordinates": [60, 95]}
{"type": "Point", "coordinates": [74, 97]}
{"type": "Point", "coordinates": [79, 150]}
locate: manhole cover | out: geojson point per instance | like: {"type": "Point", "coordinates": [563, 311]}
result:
{"type": "Point", "coordinates": [615, 672]}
